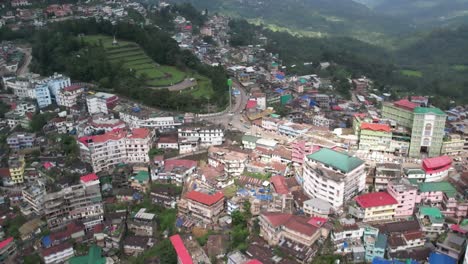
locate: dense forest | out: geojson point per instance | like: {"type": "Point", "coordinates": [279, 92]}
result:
{"type": "Point", "coordinates": [58, 49]}
{"type": "Point", "coordinates": [436, 58]}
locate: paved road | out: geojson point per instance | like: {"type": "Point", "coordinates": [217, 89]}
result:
{"type": "Point", "coordinates": [24, 69]}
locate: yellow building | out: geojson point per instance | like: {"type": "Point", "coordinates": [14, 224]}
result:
{"type": "Point", "coordinates": [376, 206]}
{"type": "Point", "coordinates": [16, 166]}
{"type": "Point", "coordinates": [452, 145]}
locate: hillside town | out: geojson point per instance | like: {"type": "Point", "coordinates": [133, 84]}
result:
{"type": "Point", "coordinates": [291, 171]}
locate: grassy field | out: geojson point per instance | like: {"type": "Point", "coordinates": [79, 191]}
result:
{"type": "Point", "coordinates": [134, 58]}
{"type": "Point", "coordinates": [460, 67]}
{"type": "Point", "coordinates": [203, 88]}
{"type": "Point", "coordinates": [412, 73]}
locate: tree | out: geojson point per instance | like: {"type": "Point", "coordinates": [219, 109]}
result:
{"type": "Point", "coordinates": [155, 152]}
{"type": "Point", "coordinates": [39, 121]}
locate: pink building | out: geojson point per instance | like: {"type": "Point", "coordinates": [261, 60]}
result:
{"type": "Point", "coordinates": [300, 149]}
{"type": "Point", "coordinates": [405, 194]}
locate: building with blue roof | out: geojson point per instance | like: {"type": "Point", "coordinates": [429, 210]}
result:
{"type": "Point", "coordinates": [437, 258]}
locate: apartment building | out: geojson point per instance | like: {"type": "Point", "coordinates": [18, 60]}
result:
{"type": "Point", "coordinates": [385, 172]}
{"type": "Point", "coordinates": [22, 108]}
{"type": "Point", "coordinates": [101, 103]}
{"type": "Point", "coordinates": [116, 147]}
{"type": "Point", "coordinates": [16, 166]}
{"type": "Point", "coordinates": [400, 111]}
{"type": "Point", "coordinates": [22, 87]}
{"type": "Point", "coordinates": [405, 194]}
{"type": "Point", "coordinates": [427, 132]}
{"type": "Point", "coordinates": [98, 123]}
{"type": "Point", "coordinates": [199, 137]}
{"type": "Point", "coordinates": [321, 121]}
{"type": "Point", "coordinates": [202, 206]}
{"type": "Point", "coordinates": [43, 95]}
{"type": "Point", "coordinates": [56, 83]}
{"type": "Point", "coordinates": [431, 220]}
{"type": "Point", "coordinates": [58, 254]}
{"type": "Point", "coordinates": [17, 140]}
{"type": "Point", "coordinates": [375, 137]}
{"type": "Point", "coordinates": [173, 171]}
{"type": "Point", "coordinates": [69, 95]}
{"type": "Point", "coordinates": [453, 145]}
{"type": "Point", "coordinates": [333, 176]}
{"type": "Point", "coordinates": [376, 206]}
{"type": "Point", "coordinates": [293, 129]}
{"type": "Point", "coordinates": [233, 162]}
{"type": "Point", "coordinates": [300, 149]}
{"type": "Point", "coordinates": [138, 117]}
{"type": "Point", "coordinates": [142, 223]}
{"type": "Point", "coordinates": [78, 202]}
{"type": "Point", "coordinates": [33, 195]}
{"type": "Point", "coordinates": [275, 227]}
{"type": "Point", "coordinates": [8, 250]}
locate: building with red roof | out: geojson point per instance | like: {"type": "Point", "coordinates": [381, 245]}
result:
{"type": "Point", "coordinates": [69, 95]}
{"type": "Point", "coordinates": [116, 147]}
{"type": "Point", "coordinates": [175, 171]}
{"type": "Point", "coordinates": [203, 206]}
{"type": "Point", "coordinates": [376, 206]}
{"type": "Point", "coordinates": [275, 227]}
{"type": "Point", "coordinates": [437, 168]}
{"type": "Point", "coordinates": [279, 184]}
{"type": "Point", "coordinates": [376, 127]}
{"type": "Point", "coordinates": [253, 261]}
{"type": "Point", "coordinates": [89, 178]}
{"type": "Point", "coordinates": [375, 137]}
{"type": "Point", "coordinates": [8, 250]}
{"type": "Point", "coordinates": [405, 104]}
{"type": "Point", "coordinates": [183, 256]}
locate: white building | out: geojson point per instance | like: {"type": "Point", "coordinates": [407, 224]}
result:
{"type": "Point", "coordinates": [34, 196]}
{"type": "Point", "coordinates": [100, 102]}
{"type": "Point", "coordinates": [193, 138]}
{"type": "Point", "coordinates": [58, 254]}
{"type": "Point", "coordinates": [116, 147]}
{"type": "Point", "coordinates": [233, 162]}
{"type": "Point", "coordinates": [321, 121]}
{"type": "Point", "coordinates": [333, 176]}
{"type": "Point", "coordinates": [69, 95]}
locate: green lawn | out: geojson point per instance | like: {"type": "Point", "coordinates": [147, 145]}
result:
{"type": "Point", "coordinates": [135, 58]}
{"type": "Point", "coordinates": [412, 73]}
{"type": "Point", "coordinates": [203, 88]}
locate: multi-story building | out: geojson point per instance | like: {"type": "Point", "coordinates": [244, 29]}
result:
{"type": "Point", "coordinates": [375, 243]}
{"type": "Point", "coordinates": [249, 142]}
{"type": "Point", "coordinates": [300, 149]}
{"type": "Point", "coordinates": [43, 96]}
{"type": "Point", "coordinates": [16, 165]}
{"type": "Point", "coordinates": [275, 227]}
{"type": "Point", "coordinates": [375, 137]}
{"type": "Point", "coordinates": [99, 123]}
{"type": "Point", "coordinates": [437, 168]}
{"type": "Point", "coordinates": [453, 145]}
{"type": "Point", "coordinates": [292, 129]}
{"type": "Point", "coordinates": [321, 121]}
{"type": "Point", "coordinates": [333, 176]}
{"type": "Point", "coordinates": [431, 220]}
{"type": "Point", "coordinates": [119, 146]}
{"type": "Point", "coordinates": [173, 171]}
{"type": "Point", "coordinates": [58, 254]}
{"type": "Point", "coordinates": [142, 223]}
{"type": "Point", "coordinates": [8, 250]}
{"type": "Point", "coordinates": [101, 102]}
{"type": "Point", "coordinates": [405, 194]}
{"type": "Point", "coordinates": [202, 206]}
{"type": "Point", "coordinates": [199, 137]}
{"type": "Point", "coordinates": [377, 206]}
{"type": "Point", "coordinates": [183, 256]}
{"type": "Point", "coordinates": [232, 161]}
{"type": "Point", "coordinates": [271, 123]}
{"type": "Point", "coordinates": [317, 207]}
{"type": "Point", "coordinates": [400, 111]}
{"type": "Point", "coordinates": [22, 87]}
{"type": "Point", "coordinates": [427, 132]}
{"type": "Point", "coordinates": [69, 95]}
{"type": "Point", "coordinates": [78, 202]}
{"type": "Point", "coordinates": [34, 196]}
{"type": "Point", "coordinates": [56, 83]}
{"type": "Point", "coordinates": [138, 117]}
{"type": "Point", "coordinates": [22, 108]}
{"type": "Point", "coordinates": [385, 172]}
{"type": "Point", "coordinates": [22, 140]}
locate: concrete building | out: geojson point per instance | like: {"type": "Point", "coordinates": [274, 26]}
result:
{"type": "Point", "coordinates": [405, 194]}
{"type": "Point", "coordinates": [375, 137]}
{"type": "Point", "coordinates": [101, 102]}
{"type": "Point", "coordinates": [321, 121]}
{"type": "Point", "coordinates": [58, 254]}
{"type": "Point", "coordinates": [400, 111]}
{"type": "Point", "coordinates": [17, 140]}
{"type": "Point", "coordinates": [427, 132]}
{"type": "Point", "coordinates": [138, 117]}
{"type": "Point", "coordinates": [275, 227]}
{"type": "Point", "coordinates": [249, 142]}
{"type": "Point", "coordinates": [8, 251]}
{"type": "Point", "coordinates": [453, 145]}
{"type": "Point", "coordinates": [82, 201]}
{"type": "Point", "coordinates": [437, 168]}
{"type": "Point", "coordinates": [116, 147]}
{"type": "Point", "coordinates": [43, 95]}
{"type": "Point", "coordinates": [199, 137]}
{"type": "Point", "coordinates": [232, 161]}
{"type": "Point", "coordinates": [16, 166]}
{"type": "Point", "coordinates": [142, 223]}
{"type": "Point", "coordinates": [333, 176]}
{"type": "Point", "coordinates": [56, 83]}
{"type": "Point", "coordinates": [33, 195]}
{"type": "Point", "coordinates": [292, 129]}
{"type": "Point", "coordinates": [385, 172]}
{"type": "Point", "coordinates": [376, 206]}
{"type": "Point", "coordinates": [431, 220]}
{"type": "Point", "coordinates": [69, 95]}
{"type": "Point", "coordinates": [183, 256]}
{"type": "Point", "coordinates": [317, 208]}
{"type": "Point", "coordinates": [202, 206]}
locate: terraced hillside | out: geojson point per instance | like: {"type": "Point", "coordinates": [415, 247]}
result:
{"type": "Point", "coordinates": [135, 59]}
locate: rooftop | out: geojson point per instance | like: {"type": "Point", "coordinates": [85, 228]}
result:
{"type": "Point", "coordinates": [429, 110]}
{"type": "Point", "coordinates": [294, 222]}
{"type": "Point", "coordinates": [89, 177]}
{"type": "Point", "coordinates": [436, 162]}
{"type": "Point", "coordinates": [405, 104]}
{"type": "Point", "coordinates": [336, 160]}
{"type": "Point", "coordinates": [94, 257]}
{"type": "Point", "coordinates": [375, 199]}
{"type": "Point", "coordinates": [376, 127]}
{"type": "Point", "coordinates": [444, 186]}
{"type": "Point", "coordinates": [279, 183]}
{"type": "Point", "coordinates": [204, 198]}
{"type": "Point", "coordinates": [181, 250]}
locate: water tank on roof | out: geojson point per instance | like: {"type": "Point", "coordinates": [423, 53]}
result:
{"type": "Point", "coordinates": [136, 109]}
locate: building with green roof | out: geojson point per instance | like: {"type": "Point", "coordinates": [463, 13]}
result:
{"type": "Point", "coordinates": [336, 160]}
{"type": "Point", "coordinates": [333, 176]}
{"type": "Point", "coordinates": [431, 219]}
{"type": "Point", "coordinates": [249, 141]}
{"type": "Point", "coordinates": [431, 187]}
{"type": "Point", "coordinates": [94, 257]}
{"type": "Point", "coordinates": [427, 133]}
